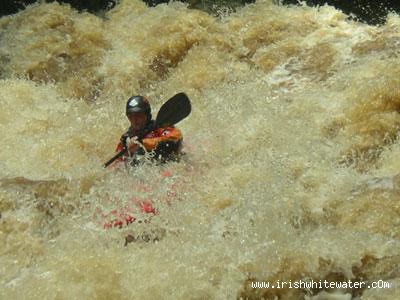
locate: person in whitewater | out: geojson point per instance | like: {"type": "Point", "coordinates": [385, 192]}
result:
{"type": "Point", "coordinates": [158, 137]}
{"type": "Point", "coordinates": [143, 137]}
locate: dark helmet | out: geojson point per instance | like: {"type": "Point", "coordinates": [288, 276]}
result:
{"type": "Point", "coordinates": [138, 104]}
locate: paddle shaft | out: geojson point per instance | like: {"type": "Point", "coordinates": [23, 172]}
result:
{"type": "Point", "coordinates": [118, 155]}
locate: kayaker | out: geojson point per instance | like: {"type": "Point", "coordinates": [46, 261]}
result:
{"type": "Point", "coordinates": [163, 143]}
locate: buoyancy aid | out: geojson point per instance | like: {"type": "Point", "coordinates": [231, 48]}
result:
{"type": "Point", "coordinates": [165, 144]}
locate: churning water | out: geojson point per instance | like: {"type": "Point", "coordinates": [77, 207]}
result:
{"type": "Point", "coordinates": [291, 168]}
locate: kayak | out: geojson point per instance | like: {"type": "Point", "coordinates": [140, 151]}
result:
{"type": "Point", "coordinates": [139, 208]}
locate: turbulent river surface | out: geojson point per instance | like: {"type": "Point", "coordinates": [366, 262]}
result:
{"type": "Point", "coordinates": [291, 168]}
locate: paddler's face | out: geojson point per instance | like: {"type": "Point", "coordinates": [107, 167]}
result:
{"type": "Point", "coordinates": [138, 120]}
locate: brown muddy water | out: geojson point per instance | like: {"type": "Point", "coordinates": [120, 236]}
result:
{"type": "Point", "coordinates": [291, 168]}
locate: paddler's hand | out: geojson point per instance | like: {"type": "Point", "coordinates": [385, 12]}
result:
{"type": "Point", "coordinates": [131, 144]}
{"type": "Point", "coordinates": [124, 140]}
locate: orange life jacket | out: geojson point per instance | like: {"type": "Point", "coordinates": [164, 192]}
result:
{"type": "Point", "coordinates": [165, 142]}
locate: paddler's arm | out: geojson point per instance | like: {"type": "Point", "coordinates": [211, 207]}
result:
{"type": "Point", "coordinates": [162, 135]}
{"type": "Point", "coordinates": [132, 144]}
{"type": "Point", "coordinates": [127, 142]}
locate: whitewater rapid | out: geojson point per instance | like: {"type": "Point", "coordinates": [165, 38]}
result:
{"type": "Point", "coordinates": [290, 171]}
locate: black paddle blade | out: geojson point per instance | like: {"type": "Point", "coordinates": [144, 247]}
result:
{"type": "Point", "coordinates": [174, 110]}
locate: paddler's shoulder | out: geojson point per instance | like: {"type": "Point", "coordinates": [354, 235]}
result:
{"type": "Point", "coordinates": [169, 131]}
